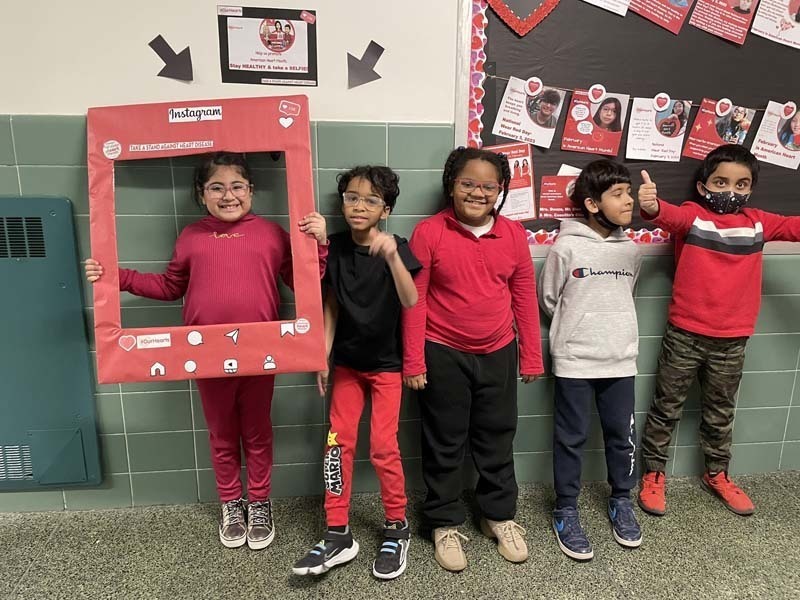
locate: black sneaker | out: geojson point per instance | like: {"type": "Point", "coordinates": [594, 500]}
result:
{"type": "Point", "coordinates": [391, 559]}
{"type": "Point", "coordinates": [232, 527]}
{"type": "Point", "coordinates": [260, 526]}
{"type": "Point", "coordinates": [334, 549]}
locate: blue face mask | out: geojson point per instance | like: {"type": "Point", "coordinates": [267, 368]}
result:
{"type": "Point", "coordinates": [725, 203]}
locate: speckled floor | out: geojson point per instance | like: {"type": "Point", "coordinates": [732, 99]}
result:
{"type": "Point", "coordinates": [699, 550]}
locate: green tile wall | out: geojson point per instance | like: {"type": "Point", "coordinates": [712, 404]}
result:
{"type": "Point", "coordinates": [153, 436]}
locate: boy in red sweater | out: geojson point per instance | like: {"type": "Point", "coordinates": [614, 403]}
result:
{"type": "Point", "coordinates": [716, 295]}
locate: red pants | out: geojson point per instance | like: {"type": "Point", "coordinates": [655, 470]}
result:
{"type": "Point", "coordinates": [237, 411]}
{"type": "Point", "coordinates": [347, 404]}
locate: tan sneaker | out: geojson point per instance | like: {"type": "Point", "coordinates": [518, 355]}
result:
{"type": "Point", "coordinates": [510, 543]}
{"type": "Point", "coordinates": [449, 553]}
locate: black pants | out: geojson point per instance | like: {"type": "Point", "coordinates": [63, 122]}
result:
{"type": "Point", "coordinates": [469, 397]}
{"type": "Point", "coordinates": [573, 398]}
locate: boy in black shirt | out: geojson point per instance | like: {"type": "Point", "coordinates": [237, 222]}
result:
{"type": "Point", "coordinates": [368, 280]}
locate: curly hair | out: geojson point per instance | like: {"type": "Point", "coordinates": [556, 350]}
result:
{"type": "Point", "coordinates": [382, 179]}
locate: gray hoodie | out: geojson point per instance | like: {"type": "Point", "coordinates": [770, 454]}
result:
{"type": "Point", "coordinates": [586, 287]}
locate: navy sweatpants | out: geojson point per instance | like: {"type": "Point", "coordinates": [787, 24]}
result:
{"type": "Point", "coordinates": [573, 397]}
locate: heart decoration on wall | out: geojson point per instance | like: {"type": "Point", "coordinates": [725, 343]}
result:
{"type": "Point", "coordinates": [522, 25]}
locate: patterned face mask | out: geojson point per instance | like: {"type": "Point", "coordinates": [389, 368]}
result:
{"type": "Point", "coordinates": [725, 203]}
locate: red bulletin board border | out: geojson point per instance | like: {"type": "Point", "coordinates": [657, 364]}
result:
{"type": "Point", "coordinates": [169, 129]}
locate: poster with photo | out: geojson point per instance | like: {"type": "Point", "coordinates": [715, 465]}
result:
{"type": "Point", "coordinates": [267, 46]}
{"type": "Point", "coordinates": [717, 123]}
{"type": "Point", "coordinates": [618, 7]}
{"type": "Point", "coordinates": [529, 112]}
{"type": "Point", "coordinates": [779, 21]}
{"type": "Point", "coordinates": [594, 122]}
{"type": "Point", "coordinates": [728, 19]}
{"type": "Point", "coordinates": [669, 14]}
{"type": "Point", "coordinates": [520, 203]}
{"type": "Point", "coordinates": [657, 127]}
{"type": "Point", "coordinates": [555, 200]}
{"type": "Point", "coordinates": [778, 137]}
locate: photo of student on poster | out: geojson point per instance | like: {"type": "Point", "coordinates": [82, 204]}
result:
{"type": "Point", "coordinates": [595, 124]}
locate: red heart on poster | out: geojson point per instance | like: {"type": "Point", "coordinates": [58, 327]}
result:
{"type": "Point", "coordinates": [521, 26]}
{"type": "Point", "coordinates": [540, 236]}
{"type": "Point", "coordinates": [789, 109]}
{"type": "Point", "coordinates": [661, 101]}
{"type": "Point", "coordinates": [534, 85]}
{"type": "Point", "coordinates": [127, 342]}
{"type": "Point", "coordinates": [724, 106]}
{"type": "Point", "coordinates": [596, 92]}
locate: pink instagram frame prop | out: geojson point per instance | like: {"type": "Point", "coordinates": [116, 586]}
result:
{"type": "Point", "coordinates": [169, 129]}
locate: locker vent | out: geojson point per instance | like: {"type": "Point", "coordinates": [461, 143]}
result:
{"type": "Point", "coordinates": [15, 463]}
{"type": "Point", "coordinates": [22, 237]}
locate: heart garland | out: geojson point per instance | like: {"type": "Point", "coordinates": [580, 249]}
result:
{"type": "Point", "coordinates": [522, 26]}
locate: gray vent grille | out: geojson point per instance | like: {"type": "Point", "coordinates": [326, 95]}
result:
{"type": "Point", "coordinates": [22, 237]}
{"type": "Point", "coordinates": [15, 463]}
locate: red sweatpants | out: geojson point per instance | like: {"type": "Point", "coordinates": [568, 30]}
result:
{"type": "Point", "coordinates": [347, 404]}
{"type": "Point", "coordinates": [237, 411]}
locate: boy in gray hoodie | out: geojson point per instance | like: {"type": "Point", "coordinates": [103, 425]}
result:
{"type": "Point", "coordinates": [586, 287]}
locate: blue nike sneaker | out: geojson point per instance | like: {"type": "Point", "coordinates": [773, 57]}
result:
{"type": "Point", "coordinates": [623, 522]}
{"type": "Point", "coordinates": [570, 535]}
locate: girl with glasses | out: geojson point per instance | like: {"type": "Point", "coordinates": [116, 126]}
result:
{"type": "Point", "coordinates": [226, 268]}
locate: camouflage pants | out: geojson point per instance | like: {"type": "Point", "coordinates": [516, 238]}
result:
{"type": "Point", "coordinates": [718, 363]}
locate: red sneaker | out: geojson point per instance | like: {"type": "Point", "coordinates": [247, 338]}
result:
{"type": "Point", "coordinates": [652, 493]}
{"type": "Point", "coordinates": [730, 494]}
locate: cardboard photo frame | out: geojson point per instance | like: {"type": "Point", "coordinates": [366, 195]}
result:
{"type": "Point", "coordinates": [171, 129]}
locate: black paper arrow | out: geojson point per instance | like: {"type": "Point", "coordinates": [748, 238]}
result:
{"type": "Point", "coordinates": [176, 66]}
{"type": "Point", "coordinates": [361, 70]}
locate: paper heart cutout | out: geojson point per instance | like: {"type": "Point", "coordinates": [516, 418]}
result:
{"type": "Point", "coordinates": [534, 85]}
{"type": "Point", "coordinates": [286, 122]}
{"type": "Point", "coordinates": [127, 342]}
{"type": "Point", "coordinates": [597, 92]}
{"type": "Point", "coordinates": [522, 26]}
{"type": "Point", "coordinates": [723, 106]}
{"type": "Point", "coordinates": [661, 101]}
{"type": "Point", "coordinates": [789, 109]}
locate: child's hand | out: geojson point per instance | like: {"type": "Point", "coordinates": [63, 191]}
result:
{"type": "Point", "coordinates": [383, 245]}
{"type": "Point", "coordinates": [93, 270]}
{"type": "Point", "coordinates": [416, 382]}
{"type": "Point", "coordinates": [314, 224]}
{"type": "Point", "coordinates": [648, 195]}
{"type": "Point", "coordinates": [529, 378]}
{"type": "Point", "coordinates": [322, 381]}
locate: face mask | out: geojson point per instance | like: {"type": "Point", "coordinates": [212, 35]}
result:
{"type": "Point", "coordinates": [601, 218]}
{"type": "Point", "coordinates": [725, 203]}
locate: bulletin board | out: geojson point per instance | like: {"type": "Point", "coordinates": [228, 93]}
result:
{"type": "Point", "coordinates": [578, 45]}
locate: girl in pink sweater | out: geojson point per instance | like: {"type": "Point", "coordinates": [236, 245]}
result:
{"type": "Point", "coordinates": [226, 268]}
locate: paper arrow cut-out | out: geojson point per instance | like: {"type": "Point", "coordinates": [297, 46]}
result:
{"type": "Point", "coordinates": [362, 70]}
{"type": "Point", "coordinates": [176, 66]}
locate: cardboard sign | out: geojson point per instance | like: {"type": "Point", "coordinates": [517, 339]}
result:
{"type": "Point", "coordinates": [520, 203]}
{"type": "Point", "coordinates": [669, 14]}
{"type": "Point", "coordinates": [595, 122]}
{"type": "Point", "coordinates": [657, 127]}
{"type": "Point", "coordinates": [183, 128]}
{"type": "Point", "coordinates": [717, 123]}
{"type": "Point", "coordinates": [778, 137]}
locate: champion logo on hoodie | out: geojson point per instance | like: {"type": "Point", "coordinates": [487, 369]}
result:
{"type": "Point", "coordinates": [582, 272]}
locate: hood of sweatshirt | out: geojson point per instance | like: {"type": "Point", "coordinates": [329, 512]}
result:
{"type": "Point", "coordinates": [581, 229]}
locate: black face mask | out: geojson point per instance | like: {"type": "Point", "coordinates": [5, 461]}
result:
{"type": "Point", "coordinates": [601, 218]}
{"type": "Point", "coordinates": [725, 203]}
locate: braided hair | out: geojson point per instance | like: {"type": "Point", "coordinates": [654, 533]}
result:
{"type": "Point", "coordinates": [458, 159]}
